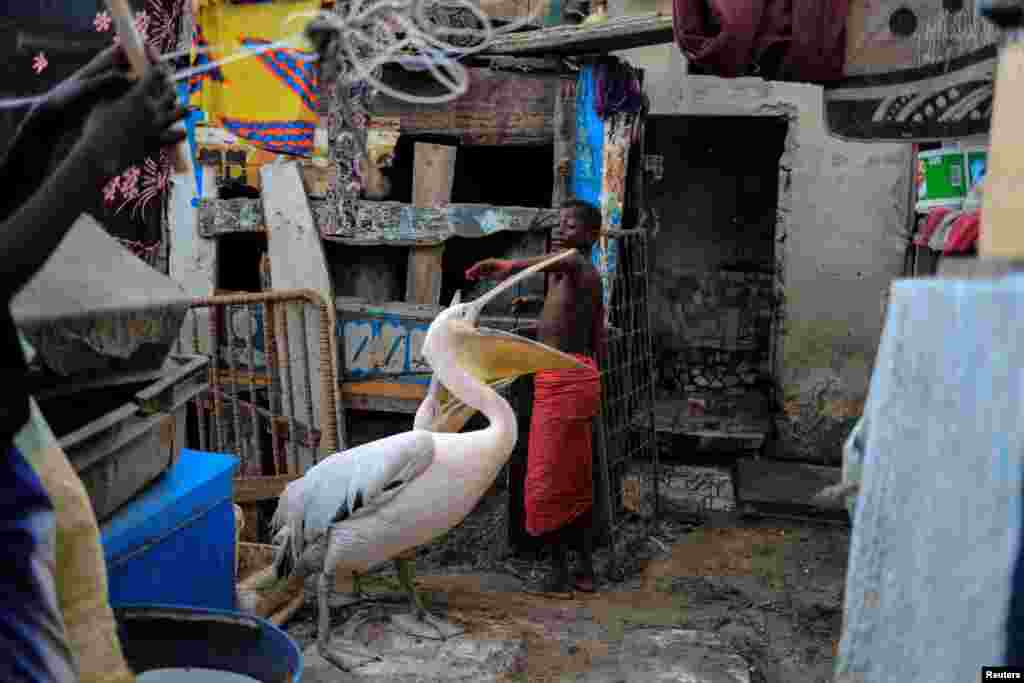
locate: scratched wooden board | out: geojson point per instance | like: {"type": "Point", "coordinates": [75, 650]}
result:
{"type": "Point", "coordinates": [391, 223]}
{"type": "Point", "coordinates": [386, 340]}
{"type": "Point", "coordinates": [621, 33]}
{"type": "Point", "coordinates": [193, 257]}
{"type": "Point", "coordinates": [565, 141]}
{"type": "Point", "coordinates": [297, 261]}
{"type": "Point", "coordinates": [498, 108]}
{"type": "Point", "coordinates": [914, 72]}
{"type": "Point", "coordinates": [432, 180]}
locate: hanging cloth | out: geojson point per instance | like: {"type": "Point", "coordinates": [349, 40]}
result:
{"type": "Point", "coordinates": [785, 40]}
{"type": "Point", "coordinates": [270, 100]}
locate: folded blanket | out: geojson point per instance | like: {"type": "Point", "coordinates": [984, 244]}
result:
{"type": "Point", "coordinates": [559, 476]}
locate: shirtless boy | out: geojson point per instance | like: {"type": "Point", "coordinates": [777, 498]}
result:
{"type": "Point", "coordinates": [559, 480]}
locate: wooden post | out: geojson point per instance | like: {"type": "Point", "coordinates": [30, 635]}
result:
{"type": "Point", "coordinates": [565, 141]}
{"type": "Point", "coordinates": [432, 180]}
{"type": "Point", "coordinates": [297, 261]}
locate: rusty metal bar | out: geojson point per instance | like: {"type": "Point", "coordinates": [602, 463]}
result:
{"type": "Point", "coordinates": [220, 436]}
{"type": "Point", "coordinates": [232, 383]}
{"type": "Point", "coordinates": [288, 387]}
{"type": "Point", "coordinates": [274, 398]}
{"type": "Point", "coordinates": [331, 431]}
{"type": "Point", "coordinates": [250, 347]}
{"type": "Point", "coordinates": [306, 374]}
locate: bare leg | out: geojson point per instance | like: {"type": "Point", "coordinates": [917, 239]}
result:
{"type": "Point", "coordinates": [586, 579]}
{"type": "Point", "coordinates": [421, 623]}
{"type": "Point", "coordinates": [558, 581]}
{"type": "Point", "coordinates": [356, 654]}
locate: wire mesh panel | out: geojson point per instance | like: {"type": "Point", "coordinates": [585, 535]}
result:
{"type": "Point", "coordinates": [260, 404]}
{"type": "Point", "coordinates": [626, 427]}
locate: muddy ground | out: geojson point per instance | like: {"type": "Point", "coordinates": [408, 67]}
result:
{"type": "Point", "coordinates": [770, 591]}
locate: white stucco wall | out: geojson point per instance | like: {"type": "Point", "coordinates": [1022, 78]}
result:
{"type": "Point", "coordinates": [842, 241]}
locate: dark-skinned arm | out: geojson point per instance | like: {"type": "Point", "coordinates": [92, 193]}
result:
{"type": "Point", "coordinates": [500, 269]}
{"type": "Point", "coordinates": [25, 163]}
{"type": "Point", "coordinates": [35, 228]}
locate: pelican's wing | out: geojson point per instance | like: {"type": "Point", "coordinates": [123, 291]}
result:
{"type": "Point", "coordinates": [359, 481]}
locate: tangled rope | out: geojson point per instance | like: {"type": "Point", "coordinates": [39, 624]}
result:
{"type": "Point", "coordinates": [410, 33]}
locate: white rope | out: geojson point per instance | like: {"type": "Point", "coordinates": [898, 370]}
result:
{"type": "Point", "coordinates": [412, 38]}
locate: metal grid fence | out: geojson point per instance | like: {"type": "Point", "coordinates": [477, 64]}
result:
{"type": "Point", "coordinates": [263, 381]}
{"type": "Point", "coordinates": [626, 427]}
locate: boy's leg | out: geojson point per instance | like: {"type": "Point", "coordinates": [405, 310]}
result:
{"type": "Point", "coordinates": [586, 578]}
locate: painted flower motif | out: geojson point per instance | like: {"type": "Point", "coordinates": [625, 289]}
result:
{"type": "Point", "coordinates": [130, 183]}
{"type": "Point", "coordinates": [111, 189]}
{"type": "Point", "coordinates": [102, 22]}
{"type": "Point", "coordinates": [142, 23]}
{"type": "Point", "coordinates": [39, 63]}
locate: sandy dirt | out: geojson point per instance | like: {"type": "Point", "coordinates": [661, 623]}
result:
{"type": "Point", "coordinates": [770, 591]}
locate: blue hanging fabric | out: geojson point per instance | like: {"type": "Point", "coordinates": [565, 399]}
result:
{"type": "Point", "coordinates": [191, 120]}
{"type": "Point", "coordinates": [588, 168]}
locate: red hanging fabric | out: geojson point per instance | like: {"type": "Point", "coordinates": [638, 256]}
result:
{"type": "Point", "coordinates": [789, 40]}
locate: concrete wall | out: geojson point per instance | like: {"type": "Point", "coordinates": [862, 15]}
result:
{"type": "Point", "coordinates": [844, 211]}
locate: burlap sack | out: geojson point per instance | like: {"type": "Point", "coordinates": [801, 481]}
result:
{"type": "Point", "coordinates": [82, 574]}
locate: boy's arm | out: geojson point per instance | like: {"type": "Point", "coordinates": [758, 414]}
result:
{"type": "Point", "coordinates": [499, 269]}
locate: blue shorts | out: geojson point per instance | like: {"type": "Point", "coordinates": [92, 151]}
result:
{"type": "Point", "coordinates": [33, 644]}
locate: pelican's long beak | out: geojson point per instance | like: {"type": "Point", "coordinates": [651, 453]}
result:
{"type": "Point", "coordinates": [496, 357]}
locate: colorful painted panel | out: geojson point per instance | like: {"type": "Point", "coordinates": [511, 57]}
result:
{"type": "Point", "coordinates": [270, 100]}
{"type": "Point", "coordinates": [915, 71]}
{"type": "Point", "coordinates": [499, 108]}
{"type": "Point", "coordinates": [384, 346]}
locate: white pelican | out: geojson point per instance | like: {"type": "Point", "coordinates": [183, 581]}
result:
{"type": "Point", "coordinates": [371, 503]}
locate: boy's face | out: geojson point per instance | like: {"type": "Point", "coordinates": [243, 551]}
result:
{"type": "Point", "coordinates": [572, 232]}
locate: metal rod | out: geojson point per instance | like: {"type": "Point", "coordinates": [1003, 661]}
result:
{"type": "Point", "coordinates": [288, 388]}
{"type": "Point", "coordinates": [232, 383]}
{"type": "Point", "coordinates": [250, 347]}
{"type": "Point", "coordinates": [220, 429]}
{"type": "Point", "coordinates": [307, 375]}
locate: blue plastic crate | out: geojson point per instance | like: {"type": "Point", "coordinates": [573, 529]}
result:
{"type": "Point", "coordinates": [175, 543]}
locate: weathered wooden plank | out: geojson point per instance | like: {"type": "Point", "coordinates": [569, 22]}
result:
{"type": "Point", "coordinates": [257, 489]}
{"type": "Point", "coordinates": [397, 223]}
{"type": "Point", "coordinates": [193, 258]}
{"type": "Point", "coordinates": [498, 108]}
{"type": "Point", "coordinates": [432, 180]}
{"type": "Point", "coordinates": [297, 261]}
{"type": "Point", "coordinates": [390, 223]}
{"type": "Point", "coordinates": [611, 36]}
{"type": "Point", "coordinates": [565, 142]}
{"type": "Point", "coordinates": [433, 174]}
{"type": "Point", "coordinates": [423, 281]}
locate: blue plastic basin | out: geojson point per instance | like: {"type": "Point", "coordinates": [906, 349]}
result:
{"type": "Point", "coordinates": [168, 637]}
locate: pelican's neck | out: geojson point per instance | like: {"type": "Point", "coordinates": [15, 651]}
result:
{"type": "Point", "coordinates": [503, 428]}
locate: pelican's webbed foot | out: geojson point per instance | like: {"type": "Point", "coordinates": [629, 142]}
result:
{"type": "Point", "coordinates": [427, 626]}
{"type": "Point", "coordinates": [420, 623]}
{"type": "Point", "coordinates": [346, 658]}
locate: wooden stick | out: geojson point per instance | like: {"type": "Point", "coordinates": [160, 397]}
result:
{"type": "Point", "coordinates": [135, 50]}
